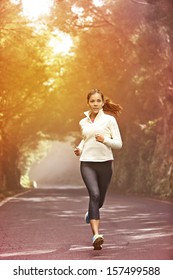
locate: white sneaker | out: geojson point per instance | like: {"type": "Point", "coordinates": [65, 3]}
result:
{"type": "Point", "coordinates": [98, 241]}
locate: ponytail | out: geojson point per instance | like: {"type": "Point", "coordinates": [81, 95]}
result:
{"type": "Point", "coordinates": [111, 108]}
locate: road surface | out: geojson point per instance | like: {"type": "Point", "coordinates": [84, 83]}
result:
{"type": "Point", "coordinates": [48, 224]}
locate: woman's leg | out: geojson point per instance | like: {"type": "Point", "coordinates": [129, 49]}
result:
{"type": "Point", "coordinates": [97, 177]}
{"type": "Point", "coordinates": [104, 174]}
{"type": "Point", "coordinates": [91, 181]}
{"type": "Point", "coordinates": [95, 226]}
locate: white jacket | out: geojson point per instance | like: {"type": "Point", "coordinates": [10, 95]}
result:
{"type": "Point", "coordinates": [106, 125]}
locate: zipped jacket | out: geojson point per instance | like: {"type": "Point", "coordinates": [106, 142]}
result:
{"type": "Point", "coordinates": [106, 125]}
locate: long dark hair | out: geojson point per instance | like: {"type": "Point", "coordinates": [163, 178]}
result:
{"type": "Point", "coordinates": [109, 106]}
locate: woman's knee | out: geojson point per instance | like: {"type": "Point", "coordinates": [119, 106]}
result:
{"type": "Point", "coordinates": [95, 197]}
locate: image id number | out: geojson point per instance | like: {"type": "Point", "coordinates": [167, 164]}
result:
{"type": "Point", "coordinates": [133, 270]}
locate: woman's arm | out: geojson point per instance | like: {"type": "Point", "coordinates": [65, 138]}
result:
{"type": "Point", "coordinates": [79, 148]}
{"type": "Point", "coordinates": [115, 142]}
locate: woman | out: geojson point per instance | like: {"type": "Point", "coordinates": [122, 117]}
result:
{"type": "Point", "coordinates": [100, 135]}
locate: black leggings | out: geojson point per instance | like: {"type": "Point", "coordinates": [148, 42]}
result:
{"type": "Point", "coordinates": [96, 176]}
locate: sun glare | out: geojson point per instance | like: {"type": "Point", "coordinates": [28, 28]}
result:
{"type": "Point", "coordinates": [33, 9]}
{"type": "Point", "coordinates": [98, 3]}
{"type": "Point", "coordinates": [77, 10]}
{"type": "Point", "coordinates": [15, 2]}
{"type": "Point", "coordinates": [61, 43]}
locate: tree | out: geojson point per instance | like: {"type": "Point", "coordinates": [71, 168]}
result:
{"type": "Point", "coordinates": [23, 88]}
{"type": "Point", "coordinates": [122, 47]}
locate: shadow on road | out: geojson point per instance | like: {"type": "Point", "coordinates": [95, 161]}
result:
{"type": "Point", "coordinates": [48, 223]}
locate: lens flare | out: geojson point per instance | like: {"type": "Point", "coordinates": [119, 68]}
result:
{"type": "Point", "coordinates": [61, 43]}
{"type": "Point", "coordinates": [33, 9]}
{"type": "Point", "coordinates": [98, 3]}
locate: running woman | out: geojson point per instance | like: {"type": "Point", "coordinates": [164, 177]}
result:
{"type": "Point", "coordinates": [100, 134]}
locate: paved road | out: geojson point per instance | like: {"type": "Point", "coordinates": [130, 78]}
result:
{"type": "Point", "coordinates": [49, 224]}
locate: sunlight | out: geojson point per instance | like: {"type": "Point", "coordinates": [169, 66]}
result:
{"type": "Point", "coordinates": [33, 9]}
{"type": "Point", "coordinates": [81, 19]}
{"type": "Point", "coordinates": [61, 43]}
{"type": "Point", "coordinates": [98, 3]}
{"type": "Point", "coordinates": [77, 10]}
{"type": "Point", "coordinates": [15, 2]}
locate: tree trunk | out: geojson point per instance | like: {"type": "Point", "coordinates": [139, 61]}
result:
{"type": "Point", "coordinates": [10, 173]}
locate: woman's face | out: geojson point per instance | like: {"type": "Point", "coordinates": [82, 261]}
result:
{"type": "Point", "coordinates": [95, 103]}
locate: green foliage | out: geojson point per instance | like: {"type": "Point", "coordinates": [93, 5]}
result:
{"type": "Point", "coordinates": [124, 48]}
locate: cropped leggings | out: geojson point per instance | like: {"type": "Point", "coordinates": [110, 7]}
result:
{"type": "Point", "coordinates": [96, 176]}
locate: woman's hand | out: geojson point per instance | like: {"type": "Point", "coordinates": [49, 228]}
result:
{"type": "Point", "coordinates": [99, 138]}
{"type": "Point", "coordinates": [77, 151]}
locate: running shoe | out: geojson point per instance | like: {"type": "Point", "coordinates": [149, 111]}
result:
{"type": "Point", "coordinates": [87, 219]}
{"type": "Point", "coordinates": [98, 241]}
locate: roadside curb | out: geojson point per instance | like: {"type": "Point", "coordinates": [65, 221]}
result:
{"type": "Point", "coordinates": [11, 197]}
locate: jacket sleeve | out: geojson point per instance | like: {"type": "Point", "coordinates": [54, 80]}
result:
{"type": "Point", "coordinates": [81, 145]}
{"type": "Point", "coordinates": [115, 142]}
{"type": "Point", "coordinates": [82, 142]}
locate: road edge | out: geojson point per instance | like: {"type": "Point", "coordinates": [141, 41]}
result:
{"type": "Point", "coordinates": [4, 201]}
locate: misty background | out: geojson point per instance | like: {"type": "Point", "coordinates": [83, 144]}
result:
{"type": "Point", "coordinates": [59, 166]}
{"type": "Point", "coordinates": [49, 62]}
